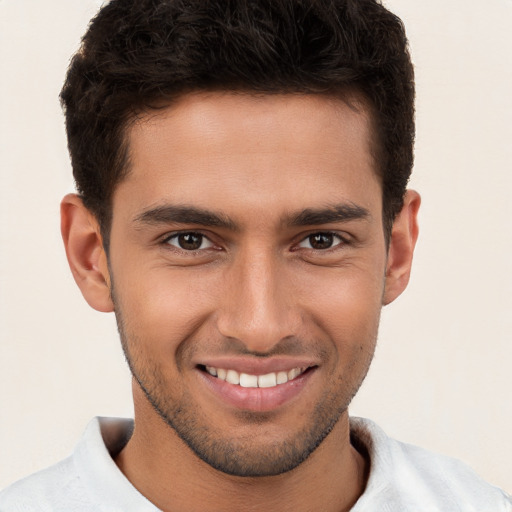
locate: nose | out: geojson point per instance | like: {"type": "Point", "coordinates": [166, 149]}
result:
{"type": "Point", "coordinates": [257, 307]}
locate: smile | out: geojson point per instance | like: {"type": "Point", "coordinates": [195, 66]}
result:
{"type": "Point", "coordinates": [258, 386]}
{"type": "Point", "coordinates": [246, 380]}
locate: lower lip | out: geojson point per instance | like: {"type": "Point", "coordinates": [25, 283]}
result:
{"type": "Point", "coordinates": [256, 399]}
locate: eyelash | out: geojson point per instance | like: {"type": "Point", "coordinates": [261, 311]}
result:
{"type": "Point", "coordinates": [167, 239]}
{"type": "Point", "coordinates": [342, 241]}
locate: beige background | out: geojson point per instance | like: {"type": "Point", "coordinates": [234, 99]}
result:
{"type": "Point", "coordinates": [441, 377]}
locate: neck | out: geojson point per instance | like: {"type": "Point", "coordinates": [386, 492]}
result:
{"type": "Point", "coordinates": [169, 474]}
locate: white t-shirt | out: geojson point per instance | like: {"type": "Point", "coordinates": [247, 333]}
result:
{"type": "Point", "coordinates": [403, 478]}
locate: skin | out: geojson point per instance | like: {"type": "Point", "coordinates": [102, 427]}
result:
{"type": "Point", "coordinates": [259, 290]}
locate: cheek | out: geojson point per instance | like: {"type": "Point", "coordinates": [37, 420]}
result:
{"type": "Point", "coordinates": [162, 307]}
{"type": "Point", "coordinates": [346, 305]}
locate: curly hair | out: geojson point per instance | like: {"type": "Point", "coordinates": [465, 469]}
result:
{"type": "Point", "coordinates": [138, 53]}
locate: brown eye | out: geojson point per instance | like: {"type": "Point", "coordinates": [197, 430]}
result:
{"type": "Point", "coordinates": [189, 241]}
{"type": "Point", "coordinates": [321, 241]}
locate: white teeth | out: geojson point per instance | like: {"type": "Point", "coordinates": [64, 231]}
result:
{"type": "Point", "coordinates": [232, 377]}
{"type": "Point", "coordinates": [247, 380]}
{"type": "Point", "coordinates": [294, 372]}
{"type": "Point", "coordinates": [267, 381]}
{"type": "Point", "coordinates": [282, 378]}
{"type": "Point", "coordinates": [211, 371]}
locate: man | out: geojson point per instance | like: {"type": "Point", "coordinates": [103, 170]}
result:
{"type": "Point", "coordinates": [242, 207]}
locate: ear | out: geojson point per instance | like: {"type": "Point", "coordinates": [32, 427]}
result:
{"type": "Point", "coordinates": [86, 255]}
{"type": "Point", "coordinates": [401, 247]}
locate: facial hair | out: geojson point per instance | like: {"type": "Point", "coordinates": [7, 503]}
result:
{"type": "Point", "coordinates": [239, 456]}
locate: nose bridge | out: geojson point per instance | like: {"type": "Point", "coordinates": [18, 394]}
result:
{"type": "Point", "coordinates": [257, 309]}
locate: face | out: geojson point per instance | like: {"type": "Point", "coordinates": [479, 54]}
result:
{"type": "Point", "coordinates": [248, 263]}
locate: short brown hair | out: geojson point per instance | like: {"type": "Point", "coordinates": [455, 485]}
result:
{"type": "Point", "coordinates": [139, 52]}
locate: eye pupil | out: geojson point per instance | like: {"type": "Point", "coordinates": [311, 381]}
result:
{"type": "Point", "coordinates": [190, 241]}
{"type": "Point", "coordinates": [321, 240]}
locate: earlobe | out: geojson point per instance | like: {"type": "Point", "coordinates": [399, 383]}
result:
{"type": "Point", "coordinates": [85, 252]}
{"type": "Point", "coordinates": [401, 247]}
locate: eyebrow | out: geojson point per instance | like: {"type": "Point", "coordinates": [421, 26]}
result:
{"type": "Point", "coordinates": [168, 214]}
{"type": "Point", "coordinates": [336, 213]}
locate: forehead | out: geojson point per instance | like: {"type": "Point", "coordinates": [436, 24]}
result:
{"type": "Point", "coordinates": [232, 120]}
{"type": "Point", "coordinates": [272, 149]}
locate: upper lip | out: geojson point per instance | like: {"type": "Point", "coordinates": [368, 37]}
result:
{"type": "Point", "coordinates": [258, 366]}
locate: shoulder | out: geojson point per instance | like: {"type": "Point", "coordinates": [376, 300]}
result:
{"type": "Point", "coordinates": [86, 481]}
{"type": "Point", "coordinates": [417, 479]}
{"type": "Point", "coordinates": [57, 488]}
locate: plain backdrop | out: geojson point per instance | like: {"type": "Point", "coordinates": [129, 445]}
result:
{"type": "Point", "coordinates": [441, 377]}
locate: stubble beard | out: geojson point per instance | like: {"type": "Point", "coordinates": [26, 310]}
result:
{"type": "Point", "coordinates": [236, 456]}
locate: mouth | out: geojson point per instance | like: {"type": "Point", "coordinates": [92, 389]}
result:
{"type": "Point", "coordinates": [260, 391]}
{"type": "Point", "coordinates": [247, 380]}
